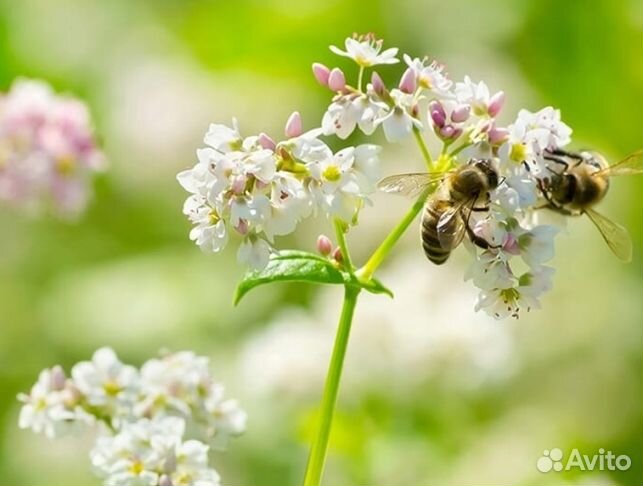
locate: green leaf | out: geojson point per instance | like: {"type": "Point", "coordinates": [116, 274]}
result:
{"type": "Point", "coordinates": [300, 266]}
{"type": "Point", "coordinates": [292, 266]}
{"type": "Point", "coordinates": [374, 286]}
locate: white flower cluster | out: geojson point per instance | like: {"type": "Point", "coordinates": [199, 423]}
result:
{"type": "Point", "coordinates": [142, 416]}
{"type": "Point", "coordinates": [47, 150]}
{"type": "Point", "coordinates": [260, 189]}
{"type": "Point", "coordinates": [462, 116]}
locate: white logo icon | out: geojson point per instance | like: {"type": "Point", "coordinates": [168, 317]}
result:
{"type": "Point", "coordinates": [551, 459]}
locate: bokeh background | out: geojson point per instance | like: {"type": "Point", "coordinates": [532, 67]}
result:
{"type": "Point", "coordinates": [433, 393]}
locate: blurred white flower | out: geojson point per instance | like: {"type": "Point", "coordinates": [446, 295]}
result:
{"type": "Point", "coordinates": [106, 382]}
{"type": "Point", "coordinates": [173, 384]}
{"type": "Point", "coordinates": [367, 51]}
{"type": "Point", "coordinates": [146, 416]}
{"type": "Point", "coordinates": [181, 384]}
{"type": "Point", "coordinates": [223, 417]}
{"type": "Point", "coordinates": [51, 405]}
{"type": "Point", "coordinates": [152, 452]}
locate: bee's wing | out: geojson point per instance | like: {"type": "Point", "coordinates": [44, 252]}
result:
{"type": "Point", "coordinates": [616, 236]}
{"type": "Point", "coordinates": [630, 165]}
{"type": "Point", "coordinates": [451, 235]}
{"type": "Point", "coordinates": [411, 185]}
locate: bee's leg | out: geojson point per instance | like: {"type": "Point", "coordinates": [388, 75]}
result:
{"type": "Point", "coordinates": [564, 153]}
{"type": "Point", "coordinates": [558, 160]}
{"type": "Point", "coordinates": [475, 239]}
{"type": "Point", "coordinates": [545, 193]}
{"type": "Point", "coordinates": [480, 241]}
{"type": "Point", "coordinates": [551, 204]}
{"type": "Point", "coordinates": [484, 209]}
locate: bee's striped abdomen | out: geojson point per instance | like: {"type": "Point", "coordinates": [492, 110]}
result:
{"type": "Point", "coordinates": [433, 248]}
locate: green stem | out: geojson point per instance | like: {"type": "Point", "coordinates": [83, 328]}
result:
{"type": "Point", "coordinates": [459, 149]}
{"type": "Point", "coordinates": [378, 256]}
{"type": "Point", "coordinates": [317, 456]}
{"type": "Point", "coordinates": [360, 78]}
{"type": "Point", "coordinates": [423, 148]}
{"type": "Point", "coordinates": [340, 232]}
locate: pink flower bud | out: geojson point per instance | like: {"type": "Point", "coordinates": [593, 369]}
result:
{"type": "Point", "coordinates": [238, 185]}
{"type": "Point", "coordinates": [294, 125]}
{"type": "Point", "coordinates": [461, 113]}
{"type": "Point", "coordinates": [510, 244]}
{"type": "Point", "coordinates": [71, 395]}
{"type": "Point", "coordinates": [408, 82]}
{"type": "Point", "coordinates": [337, 255]}
{"type": "Point", "coordinates": [321, 73]}
{"type": "Point", "coordinates": [447, 131]}
{"type": "Point", "coordinates": [324, 245]}
{"type": "Point", "coordinates": [456, 133]}
{"type": "Point", "coordinates": [336, 80]}
{"type": "Point", "coordinates": [498, 135]}
{"type": "Point", "coordinates": [242, 227]}
{"type": "Point", "coordinates": [58, 378]}
{"type": "Point", "coordinates": [438, 116]}
{"type": "Point", "coordinates": [378, 84]}
{"type": "Point", "coordinates": [266, 142]}
{"type": "Point", "coordinates": [495, 103]}
{"type": "Point", "coordinates": [165, 481]}
{"type": "Point", "coordinates": [486, 126]}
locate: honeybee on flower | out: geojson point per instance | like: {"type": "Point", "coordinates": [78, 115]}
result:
{"type": "Point", "coordinates": [261, 189]}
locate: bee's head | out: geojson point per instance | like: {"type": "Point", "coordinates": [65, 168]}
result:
{"type": "Point", "coordinates": [594, 159]}
{"type": "Point", "coordinates": [487, 167]}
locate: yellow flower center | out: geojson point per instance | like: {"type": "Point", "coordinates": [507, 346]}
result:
{"type": "Point", "coordinates": [136, 467]}
{"type": "Point", "coordinates": [362, 61]}
{"type": "Point", "coordinates": [509, 296]}
{"type": "Point", "coordinates": [518, 152]}
{"type": "Point", "coordinates": [65, 165]}
{"type": "Point", "coordinates": [332, 173]}
{"type": "Point", "coordinates": [214, 217]}
{"type": "Point", "coordinates": [112, 388]}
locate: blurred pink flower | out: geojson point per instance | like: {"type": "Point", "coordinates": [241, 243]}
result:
{"type": "Point", "coordinates": [47, 150]}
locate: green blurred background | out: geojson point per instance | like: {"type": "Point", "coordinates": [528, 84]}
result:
{"type": "Point", "coordinates": [434, 394]}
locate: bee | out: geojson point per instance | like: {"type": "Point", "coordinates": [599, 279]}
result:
{"type": "Point", "coordinates": [446, 214]}
{"type": "Point", "coordinates": [583, 182]}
